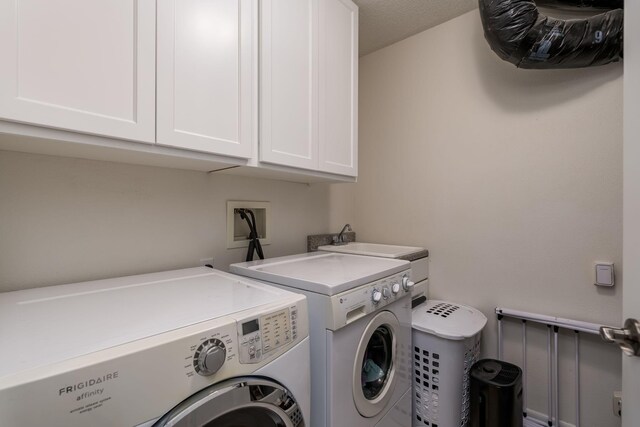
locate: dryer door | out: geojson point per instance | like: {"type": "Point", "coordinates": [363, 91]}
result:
{"type": "Point", "coordinates": [245, 402]}
{"type": "Point", "coordinates": [374, 373]}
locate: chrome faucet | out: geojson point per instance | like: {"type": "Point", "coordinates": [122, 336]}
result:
{"type": "Point", "coordinates": [339, 239]}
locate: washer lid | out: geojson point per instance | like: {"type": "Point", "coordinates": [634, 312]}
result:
{"type": "Point", "coordinates": [448, 320]}
{"type": "Point", "coordinates": [48, 325]}
{"type": "Point", "coordinates": [321, 272]}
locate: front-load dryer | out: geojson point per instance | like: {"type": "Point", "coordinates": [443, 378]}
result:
{"type": "Point", "coordinates": [360, 331]}
{"type": "Point", "coordinates": [194, 347]}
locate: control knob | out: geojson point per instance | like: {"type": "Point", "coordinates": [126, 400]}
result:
{"type": "Point", "coordinates": [209, 357]}
{"type": "Point", "coordinates": [386, 293]}
{"type": "Point", "coordinates": [407, 284]}
{"type": "Point", "coordinates": [395, 288]}
{"type": "Point", "coordinates": [376, 296]}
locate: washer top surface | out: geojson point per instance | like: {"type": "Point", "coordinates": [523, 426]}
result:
{"type": "Point", "coordinates": [48, 325]}
{"type": "Point", "coordinates": [321, 272]}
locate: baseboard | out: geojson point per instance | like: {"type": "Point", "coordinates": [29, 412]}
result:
{"type": "Point", "coordinates": [538, 419]}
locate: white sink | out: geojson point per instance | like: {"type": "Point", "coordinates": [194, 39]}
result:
{"type": "Point", "coordinates": [371, 249]}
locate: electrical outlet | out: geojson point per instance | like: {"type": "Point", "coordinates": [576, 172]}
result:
{"type": "Point", "coordinates": [205, 261]}
{"type": "Point", "coordinates": [617, 403]}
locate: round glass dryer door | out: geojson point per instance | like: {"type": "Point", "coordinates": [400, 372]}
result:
{"type": "Point", "coordinates": [237, 403]}
{"type": "Point", "coordinates": [374, 373]}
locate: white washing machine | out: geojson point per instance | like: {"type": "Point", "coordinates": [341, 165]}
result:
{"type": "Point", "coordinates": [360, 331]}
{"type": "Point", "coordinates": [194, 347]}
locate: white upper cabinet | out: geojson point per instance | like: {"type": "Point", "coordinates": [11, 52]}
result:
{"type": "Point", "coordinates": [267, 85]}
{"type": "Point", "coordinates": [289, 83]}
{"type": "Point", "coordinates": [207, 75]}
{"type": "Point", "coordinates": [81, 65]}
{"type": "Point", "coordinates": [308, 84]}
{"type": "Point", "coordinates": [338, 127]}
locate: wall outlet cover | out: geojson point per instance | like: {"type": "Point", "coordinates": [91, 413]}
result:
{"type": "Point", "coordinates": [604, 274]}
{"type": "Point", "coordinates": [617, 403]}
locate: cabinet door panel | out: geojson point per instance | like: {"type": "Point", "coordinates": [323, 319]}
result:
{"type": "Point", "coordinates": [81, 65]}
{"type": "Point", "coordinates": [338, 125]}
{"type": "Point", "coordinates": [207, 75]}
{"type": "Point", "coordinates": [289, 83]}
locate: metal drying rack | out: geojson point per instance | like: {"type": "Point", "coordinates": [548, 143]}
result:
{"type": "Point", "coordinates": [554, 324]}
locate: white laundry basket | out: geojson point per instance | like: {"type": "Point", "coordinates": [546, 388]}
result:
{"type": "Point", "coordinates": [446, 343]}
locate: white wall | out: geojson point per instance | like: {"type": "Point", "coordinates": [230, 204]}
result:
{"type": "Point", "coordinates": [511, 178]}
{"type": "Point", "coordinates": [64, 220]}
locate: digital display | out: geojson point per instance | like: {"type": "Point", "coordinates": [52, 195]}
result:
{"type": "Point", "coordinates": [250, 327]}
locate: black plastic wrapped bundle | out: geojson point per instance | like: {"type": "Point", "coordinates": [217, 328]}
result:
{"type": "Point", "coordinates": [520, 34]}
{"type": "Point", "coordinates": [582, 4]}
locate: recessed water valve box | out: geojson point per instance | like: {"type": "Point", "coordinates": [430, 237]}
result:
{"type": "Point", "coordinates": [238, 229]}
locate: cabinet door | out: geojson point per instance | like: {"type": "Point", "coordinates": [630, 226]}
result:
{"type": "Point", "coordinates": [338, 114]}
{"type": "Point", "coordinates": [289, 83]}
{"type": "Point", "coordinates": [81, 65]}
{"type": "Point", "coordinates": [207, 75]}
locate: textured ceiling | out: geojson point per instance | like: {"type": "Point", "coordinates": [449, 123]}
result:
{"type": "Point", "coordinates": [383, 22]}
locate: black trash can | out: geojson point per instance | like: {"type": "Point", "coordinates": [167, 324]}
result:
{"type": "Point", "coordinates": [496, 394]}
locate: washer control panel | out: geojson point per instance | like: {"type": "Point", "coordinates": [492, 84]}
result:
{"type": "Point", "coordinates": [209, 357]}
{"type": "Point", "coordinates": [261, 335]}
{"type": "Point", "coordinates": [220, 347]}
{"type": "Point", "coordinates": [351, 305]}
{"type": "Point", "coordinates": [211, 351]}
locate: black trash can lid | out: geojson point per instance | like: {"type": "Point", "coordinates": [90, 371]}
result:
{"type": "Point", "coordinates": [495, 372]}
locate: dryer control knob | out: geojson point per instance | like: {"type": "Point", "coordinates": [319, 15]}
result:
{"type": "Point", "coordinates": [209, 357]}
{"type": "Point", "coordinates": [395, 288]}
{"type": "Point", "coordinates": [385, 293]}
{"type": "Point", "coordinates": [376, 296]}
{"type": "Point", "coordinates": [406, 283]}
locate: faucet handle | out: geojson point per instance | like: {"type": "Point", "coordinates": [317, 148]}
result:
{"type": "Point", "coordinates": [336, 239]}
